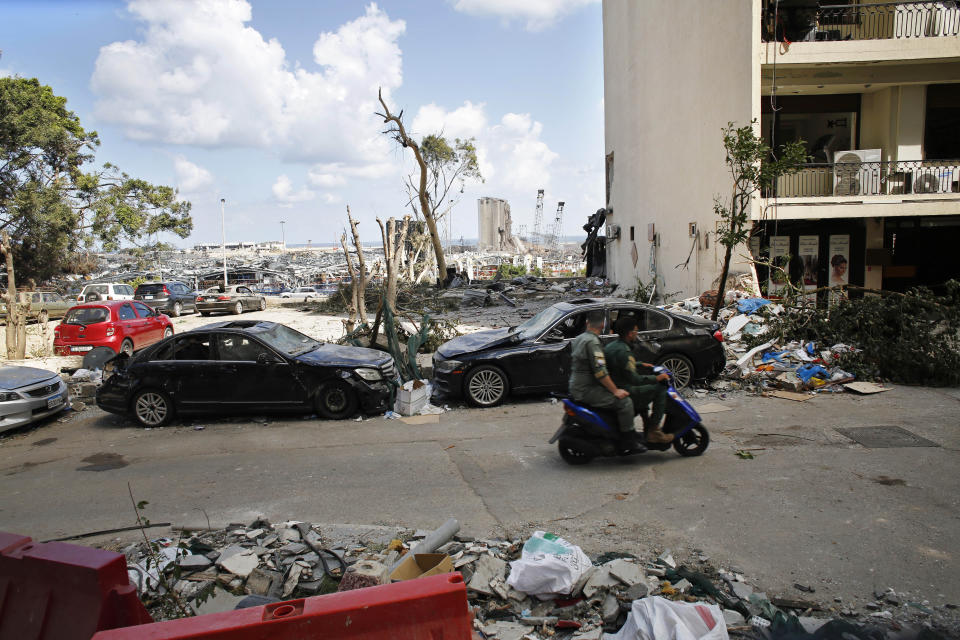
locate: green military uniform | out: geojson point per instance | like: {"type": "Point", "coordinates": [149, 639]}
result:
{"type": "Point", "coordinates": [588, 366]}
{"type": "Point", "coordinates": [643, 389]}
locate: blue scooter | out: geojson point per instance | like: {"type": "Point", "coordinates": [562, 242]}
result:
{"type": "Point", "coordinates": [590, 433]}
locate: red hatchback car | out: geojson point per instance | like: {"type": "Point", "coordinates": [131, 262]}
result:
{"type": "Point", "coordinates": [122, 325]}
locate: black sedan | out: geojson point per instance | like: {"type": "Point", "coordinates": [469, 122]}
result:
{"type": "Point", "coordinates": [247, 367]}
{"type": "Point", "coordinates": [534, 357]}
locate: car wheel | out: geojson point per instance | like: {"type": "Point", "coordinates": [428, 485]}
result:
{"type": "Point", "coordinates": [127, 347]}
{"type": "Point", "coordinates": [152, 408]}
{"type": "Point", "coordinates": [486, 386]}
{"type": "Point", "coordinates": [42, 317]}
{"type": "Point", "coordinates": [681, 368]}
{"type": "Point", "coordinates": [204, 313]}
{"type": "Point", "coordinates": [237, 309]}
{"type": "Point", "coordinates": [693, 442]}
{"type": "Point", "coordinates": [571, 454]}
{"type": "Point", "coordinates": [167, 332]}
{"type": "Point", "coordinates": [263, 304]}
{"type": "Point", "coordinates": [336, 400]}
{"type": "Point", "coordinates": [177, 310]}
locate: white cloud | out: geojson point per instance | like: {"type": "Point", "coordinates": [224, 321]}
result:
{"type": "Point", "coordinates": [190, 177]}
{"type": "Point", "coordinates": [286, 196]}
{"type": "Point", "coordinates": [539, 14]}
{"type": "Point", "coordinates": [337, 174]}
{"type": "Point", "coordinates": [201, 76]}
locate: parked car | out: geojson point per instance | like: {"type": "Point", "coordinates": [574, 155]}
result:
{"type": "Point", "coordinates": [235, 299]}
{"type": "Point", "coordinates": [170, 297]}
{"type": "Point", "coordinates": [247, 366]}
{"type": "Point", "coordinates": [534, 357]}
{"type": "Point", "coordinates": [105, 291]}
{"type": "Point", "coordinates": [302, 292]}
{"type": "Point", "coordinates": [44, 305]}
{"type": "Point", "coordinates": [124, 326]}
{"type": "Point", "coordinates": [28, 394]}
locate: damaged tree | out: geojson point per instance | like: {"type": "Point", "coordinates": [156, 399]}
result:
{"type": "Point", "coordinates": [16, 313]}
{"type": "Point", "coordinates": [440, 166]}
{"type": "Point", "coordinates": [359, 277]}
{"type": "Point", "coordinates": [752, 168]}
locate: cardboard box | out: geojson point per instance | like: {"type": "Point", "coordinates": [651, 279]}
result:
{"type": "Point", "coordinates": [411, 397]}
{"type": "Point", "coordinates": [420, 565]}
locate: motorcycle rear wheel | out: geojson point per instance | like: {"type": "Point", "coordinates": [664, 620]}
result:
{"type": "Point", "coordinates": [693, 442]}
{"type": "Point", "coordinates": [571, 454]}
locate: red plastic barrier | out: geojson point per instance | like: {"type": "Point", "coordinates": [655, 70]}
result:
{"type": "Point", "coordinates": [433, 608]}
{"type": "Point", "coordinates": [61, 591]}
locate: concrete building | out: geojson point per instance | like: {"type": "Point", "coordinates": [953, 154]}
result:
{"type": "Point", "coordinates": [872, 88]}
{"type": "Point", "coordinates": [495, 225]}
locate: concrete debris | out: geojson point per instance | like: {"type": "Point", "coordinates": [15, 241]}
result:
{"type": "Point", "coordinates": [629, 573]}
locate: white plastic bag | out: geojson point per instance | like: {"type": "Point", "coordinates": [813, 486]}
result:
{"type": "Point", "coordinates": [548, 566]}
{"type": "Point", "coordinates": [657, 618]}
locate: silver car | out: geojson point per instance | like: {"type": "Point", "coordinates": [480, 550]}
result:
{"type": "Point", "coordinates": [28, 394]}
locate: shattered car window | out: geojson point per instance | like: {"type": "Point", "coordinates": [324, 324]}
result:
{"type": "Point", "coordinates": [289, 341]}
{"type": "Point", "coordinates": [239, 348]}
{"type": "Point", "coordinates": [538, 323]}
{"type": "Point", "coordinates": [86, 315]}
{"type": "Point", "coordinates": [194, 347]}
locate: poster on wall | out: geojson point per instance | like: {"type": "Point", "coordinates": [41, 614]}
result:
{"type": "Point", "coordinates": [808, 248]}
{"type": "Point", "coordinates": [779, 250]}
{"type": "Point", "coordinates": [839, 253]}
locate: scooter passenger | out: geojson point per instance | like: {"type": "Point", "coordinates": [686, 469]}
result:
{"type": "Point", "coordinates": [643, 389]}
{"type": "Point", "coordinates": [591, 384]}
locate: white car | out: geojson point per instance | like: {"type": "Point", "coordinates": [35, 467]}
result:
{"type": "Point", "coordinates": [28, 394]}
{"type": "Point", "coordinates": [302, 292]}
{"type": "Point", "coordinates": [105, 291]}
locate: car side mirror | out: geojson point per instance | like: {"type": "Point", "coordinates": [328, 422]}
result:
{"type": "Point", "coordinates": [554, 335]}
{"type": "Point", "coordinates": [265, 358]}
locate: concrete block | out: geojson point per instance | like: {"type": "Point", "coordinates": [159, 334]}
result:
{"type": "Point", "coordinates": [293, 549]}
{"type": "Point", "coordinates": [254, 534]}
{"type": "Point", "coordinates": [637, 591]}
{"type": "Point", "coordinates": [601, 578]}
{"type": "Point", "coordinates": [270, 539]}
{"type": "Point", "coordinates": [742, 590]}
{"type": "Point", "coordinates": [628, 573]}
{"type": "Point", "coordinates": [240, 564]}
{"type": "Point", "coordinates": [733, 618]}
{"type": "Point", "coordinates": [503, 630]}
{"type": "Point", "coordinates": [259, 581]}
{"type": "Point", "coordinates": [289, 535]}
{"type": "Point", "coordinates": [486, 569]}
{"type": "Point", "coordinates": [610, 609]}
{"type": "Point", "coordinates": [193, 562]}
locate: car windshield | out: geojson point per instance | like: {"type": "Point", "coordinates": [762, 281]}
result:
{"type": "Point", "coordinates": [289, 341]}
{"type": "Point", "coordinates": [538, 323]}
{"type": "Point", "coordinates": [86, 315]}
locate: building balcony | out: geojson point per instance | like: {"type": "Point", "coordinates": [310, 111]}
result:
{"type": "Point", "coordinates": [886, 189]}
{"type": "Point", "coordinates": [813, 33]}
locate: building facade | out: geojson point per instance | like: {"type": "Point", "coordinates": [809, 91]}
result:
{"type": "Point", "coordinates": [873, 91]}
{"type": "Point", "coordinates": [494, 224]}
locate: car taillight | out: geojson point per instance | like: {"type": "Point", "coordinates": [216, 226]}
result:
{"type": "Point", "coordinates": [199, 298]}
{"type": "Point", "coordinates": [223, 297]}
{"type": "Point", "coordinates": [110, 330]}
{"type": "Point", "coordinates": [718, 335]}
{"type": "Point", "coordinates": [109, 297]}
{"type": "Point", "coordinates": [56, 331]}
{"type": "Point", "coordinates": [165, 290]}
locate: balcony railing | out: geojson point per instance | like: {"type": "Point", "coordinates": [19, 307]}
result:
{"type": "Point", "coordinates": [897, 177]}
{"type": "Point", "coordinates": [868, 21]}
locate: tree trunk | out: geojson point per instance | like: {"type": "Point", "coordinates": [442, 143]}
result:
{"type": "Point", "coordinates": [16, 333]}
{"type": "Point", "coordinates": [351, 321]}
{"type": "Point", "coordinates": [723, 284]}
{"type": "Point", "coordinates": [363, 278]}
{"type": "Point", "coordinates": [392, 250]}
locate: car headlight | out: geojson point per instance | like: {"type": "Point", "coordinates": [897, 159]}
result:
{"type": "Point", "coordinates": [446, 366]}
{"type": "Point", "coordinates": [369, 374]}
{"type": "Point", "coordinates": [9, 396]}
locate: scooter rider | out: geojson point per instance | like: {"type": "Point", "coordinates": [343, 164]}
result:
{"type": "Point", "coordinates": [591, 384]}
{"type": "Point", "coordinates": [643, 389]}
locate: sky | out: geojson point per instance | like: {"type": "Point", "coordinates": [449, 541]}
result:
{"type": "Point", "coordinates": [270, 104]}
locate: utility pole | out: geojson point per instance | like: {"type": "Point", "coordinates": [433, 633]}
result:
{"type": "Point", "coordinates": [283, 241]}
{"type": "Point", "coordinates": [223, 239]}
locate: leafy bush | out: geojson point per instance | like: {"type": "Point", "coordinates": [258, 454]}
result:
{"type": "Point", "coordinates": [510, 271]}
{"type": "Point", "coordinates": [911, 338]}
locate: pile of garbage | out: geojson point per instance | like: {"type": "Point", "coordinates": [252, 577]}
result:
{"type": "Point", "coordinates": [543, 587]}
{"type": "Point", "coordinates": [503, 291]}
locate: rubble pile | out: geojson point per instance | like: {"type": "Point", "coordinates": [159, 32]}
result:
{"type": "Point", "coordinates": [249, 565]}
{"type": "Point", "coordinates": [515, 291]}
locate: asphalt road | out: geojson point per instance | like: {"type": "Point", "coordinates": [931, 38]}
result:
{"type": "Point", "coordinates": [812, 507]}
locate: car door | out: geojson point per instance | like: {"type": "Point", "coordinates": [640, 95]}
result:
{"type": "Point", "coordinates": [246, 297]}
{"type": "Point", "coordinates": [199, 378]}
{"type": "Point", "coordinates": [255, 378]}
{"type": "Point", "coordinates": [653, 327]}
{"type": "Point", "coordinates": [132, 326]}
{"type": "Point", "coordinates": [188, 301]}
{"type": "Point", "coordinates": [549, 360]}
{"type": "Point", "coordinates": [152, 324]}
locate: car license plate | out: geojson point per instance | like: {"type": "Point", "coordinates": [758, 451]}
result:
{"type": "Point", "coordinates": [83, 348]}
{"type": "Point", "coordinates": [148, 297]}
{"type": "Point", "coordinates": [54, 402]}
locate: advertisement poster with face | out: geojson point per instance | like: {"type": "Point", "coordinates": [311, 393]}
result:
{"type": "Point", "coordinates": [839, 264]}
{"type": "Point", "coordinates": [808, 248]}
{"type": "Point", "coordinates": [779, 251]}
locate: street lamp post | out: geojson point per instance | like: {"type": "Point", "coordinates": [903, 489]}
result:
{"type": "Point", "coordinates": [223, 239]}
{"type": "Point", "coordinates": [283, 241]}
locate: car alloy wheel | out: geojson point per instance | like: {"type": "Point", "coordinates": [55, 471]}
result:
{"type": "Point", "coordinates": [681, 368]}
{"type": "Point", "coordinates": [127, 347]}
{"type": "Point", "coordinates": [336, 400]}
{"type": "Point", "coordinates": [263, 304]}
{"type": "Point", "coordinates": [177, 309]}
{"type": "Point", "coordinates": [486, 386]}
{"type": "Point", "coordinates": [167, 332]}
{"type": "Point", "coordinates": [152, 408]}
{"type": "Point", "coordinates": [238, 308]}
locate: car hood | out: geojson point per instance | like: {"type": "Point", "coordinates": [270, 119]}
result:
{"type": "Point", "coordinates": [337, 355]}
{"type": "Point", "coordinates": [16, 377]}
{"type": "Point", "coordinates": [475, 342]}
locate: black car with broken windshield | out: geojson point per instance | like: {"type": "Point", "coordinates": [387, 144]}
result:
{"type": "Point", "coordinates": [534, 357]}
{"type": "Point", "coordinates": [247, 367]}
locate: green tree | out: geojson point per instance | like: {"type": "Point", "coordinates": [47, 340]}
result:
{"type": "Point", "coordinates": [50, 206]}
{"type": "Point", "coordinates": [752, 168]}
{"type": "Point", "coordinates": [442, 168]}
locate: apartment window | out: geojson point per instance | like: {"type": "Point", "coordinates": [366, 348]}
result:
{"type": "Point", "coordinates": [941, 136]}
{"type": "Point", "coordinates": [826, 124]}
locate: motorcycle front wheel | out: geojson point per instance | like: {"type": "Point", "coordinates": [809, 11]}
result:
{"type": "Point", "coordinates": [694, 442]}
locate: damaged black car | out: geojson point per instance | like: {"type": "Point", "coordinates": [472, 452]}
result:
{"type": "Point", "coordinates": [245, 367]}
{"type": "Point", "coordinates": [487, 367]}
